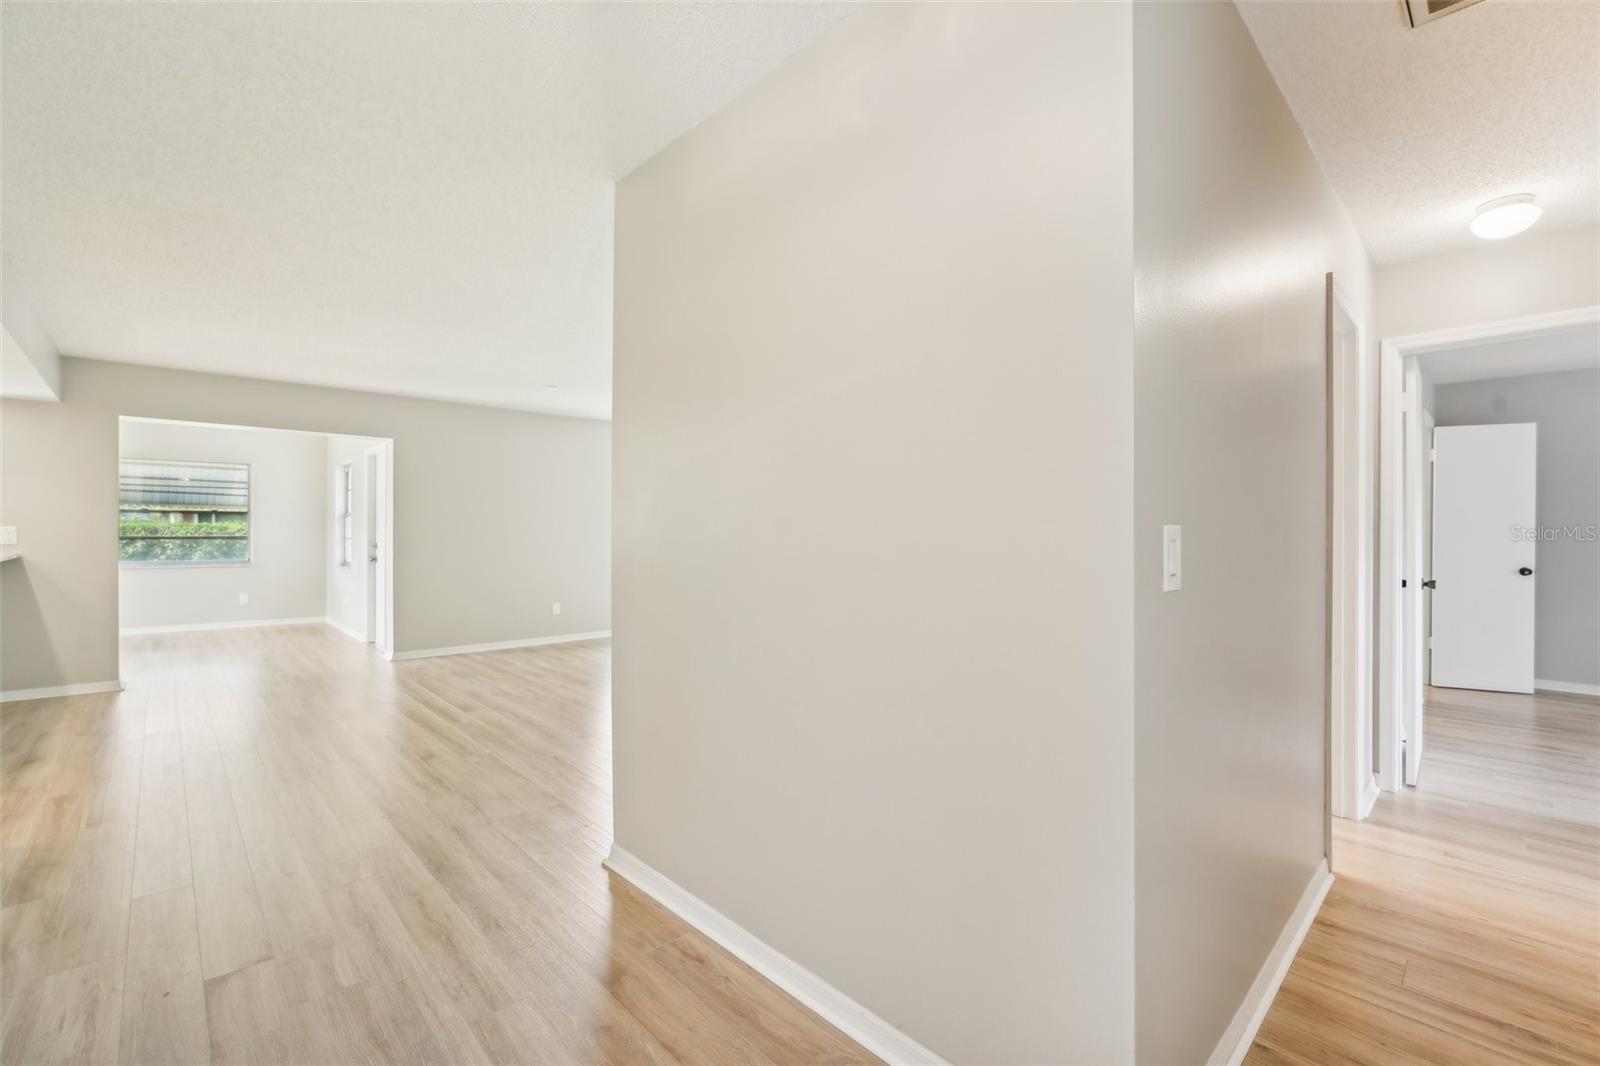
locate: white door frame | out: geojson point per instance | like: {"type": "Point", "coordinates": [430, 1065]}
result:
{"type": "Point", "coordinates": [383, 536]}
{"type": "Point", "coordinates": [1393, 601]}
{"type": "Point", "coordinates": [1351, 789]}
{"type": "Point", "coordinates": [1414, 455]}
{"type": "Point", "coordinates": [1422, 530]}
{"type": "Point", "coordinates": [370, 465]}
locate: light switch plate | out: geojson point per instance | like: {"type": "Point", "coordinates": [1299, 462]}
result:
{"type": "Point", "coordinates": [1171, 558]}
{"type": "Point", "coordinates": [555, 608]}
{"type": "Point", "coordinates": [8, 535]}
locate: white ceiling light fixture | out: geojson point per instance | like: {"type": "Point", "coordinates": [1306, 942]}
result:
{"type": "Point", "coordinates": [1505, 217]}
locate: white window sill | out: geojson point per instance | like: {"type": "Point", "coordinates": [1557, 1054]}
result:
{"type": "Point", "coordinates": [219, 565]}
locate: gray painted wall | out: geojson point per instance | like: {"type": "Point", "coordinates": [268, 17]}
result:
{"type": "Point", "coordinates": [288, 537]}
{"type": "Point", "coordinates": [1234, 229]}
{"type": "Point", "coordinates": [873, 690]}
{"type": "Point", "coordinates": [498, 513]}
{"type": "Point", "coordinates": [1566, 407]}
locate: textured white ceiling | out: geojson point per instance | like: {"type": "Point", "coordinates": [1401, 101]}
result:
{"type": "Point", "coordinates": [1416, 127]}
{"type": "Point", "coordinates": [412, 198]}
{"type": "Point", "coordinates": [1577, 348]}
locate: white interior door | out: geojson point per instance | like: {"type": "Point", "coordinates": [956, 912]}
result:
{"type": "Point", "coordinates": [1417, 444]}
{"type": "Point", "coordinates": [1484, 538]}
{"type": "Point", "coordinates": [369, 546]}
{"type": "Point", "coordinates": [380, 567]}
{"type": "Point", "coordinates": [1425, 564]}
{"type": "Point", "coordinates": [1413, 457]}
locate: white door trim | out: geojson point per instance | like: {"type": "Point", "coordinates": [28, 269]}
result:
{"type": "Point", "coordinates": [1392, 600]}
{"type": "Point", "coordinates": [1350, 552]}
{"type": "Point", "coordinates": [383, 639]}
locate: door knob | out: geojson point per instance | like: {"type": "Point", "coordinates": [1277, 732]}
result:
{"type": "Point", "coordinates": [1524, 570]}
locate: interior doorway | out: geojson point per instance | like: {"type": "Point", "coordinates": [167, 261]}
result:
{"type": "Point", "coordinates": [230, 527]}
{"type": "Point", "coordinates": [359, 597]}
{"type": "Point", "coordinates": [1480, 631]}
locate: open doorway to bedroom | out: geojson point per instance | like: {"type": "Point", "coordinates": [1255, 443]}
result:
{"type": "Point", "coordinates": [1488, 578]}
{"type": "Point", "coordinates": [359, 581]}
{"type": "Point", "coordinates": [238, 527]}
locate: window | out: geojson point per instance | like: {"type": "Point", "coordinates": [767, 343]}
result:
{"type": "Point", "coordinates": [346, 510]}
{"type": "Point", "coordinates": [177, 513]}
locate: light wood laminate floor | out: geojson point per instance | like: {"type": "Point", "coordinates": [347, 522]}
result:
{"type": "Point", "coordinates": [275, 846]}
{"type": "Point", "coordinates": [1464, 923]}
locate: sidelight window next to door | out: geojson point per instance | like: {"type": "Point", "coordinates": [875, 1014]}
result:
{"type": "Point", "coordinates": [183, 513]}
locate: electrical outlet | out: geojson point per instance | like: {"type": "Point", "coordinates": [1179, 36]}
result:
{"type": "Point", "coordinates": [555, 608]}
{"type": "Point", "coordinates": [244, 597]}
{"type": "Point", "coordinates": [8, 535]}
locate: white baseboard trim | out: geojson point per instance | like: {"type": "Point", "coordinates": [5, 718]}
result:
{"type": "Point", "coordinates": [1369, 797]}
{"type": "Point", "coordinates": [1574, 687]}
{"type": "Point", "coordinates": [134, 631]}
{"type": "Point", "coordinates": [838, 1009]}
{"type": "Point", "coordinates": [60, 690]}
{"type": "Point", "coordinates": [1241, 1033]}
{"type": "Point", "coordinates": [499, 645]}
{"type": "Point", "coordinates": [346, 630]}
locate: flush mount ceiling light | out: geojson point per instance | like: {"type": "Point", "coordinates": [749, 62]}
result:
{"type": "Point", "coordinates": [1505, 217]}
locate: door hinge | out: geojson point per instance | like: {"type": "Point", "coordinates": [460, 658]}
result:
{"type": "Point", "coordinates": [1433, 455]}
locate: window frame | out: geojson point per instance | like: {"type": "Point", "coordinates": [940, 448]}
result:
{"type": "Point", "coordinates": [347, 505]}
{"type": "Point", "coordinates": [157, 564]}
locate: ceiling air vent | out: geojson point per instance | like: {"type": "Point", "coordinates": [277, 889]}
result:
{"type": "Point", "coordinates": [1420, 11]}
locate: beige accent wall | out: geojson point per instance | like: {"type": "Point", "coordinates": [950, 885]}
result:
{"type": "Point", "coordinates": [1234, 229]}
{"type": "Point", "coordinates": [1534, 273]}
{"type": "Point", "coordinates": [497, 513]}
{"type": "Point", "coordinates": [873, 689]}
{"type": "Point", "coordinates": [285, 577]}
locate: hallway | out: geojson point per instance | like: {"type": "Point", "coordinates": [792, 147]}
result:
{"type": "Point", "coordinates": [1464, 924]}
{"type": "Point", "coordinates": [276, 846]}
